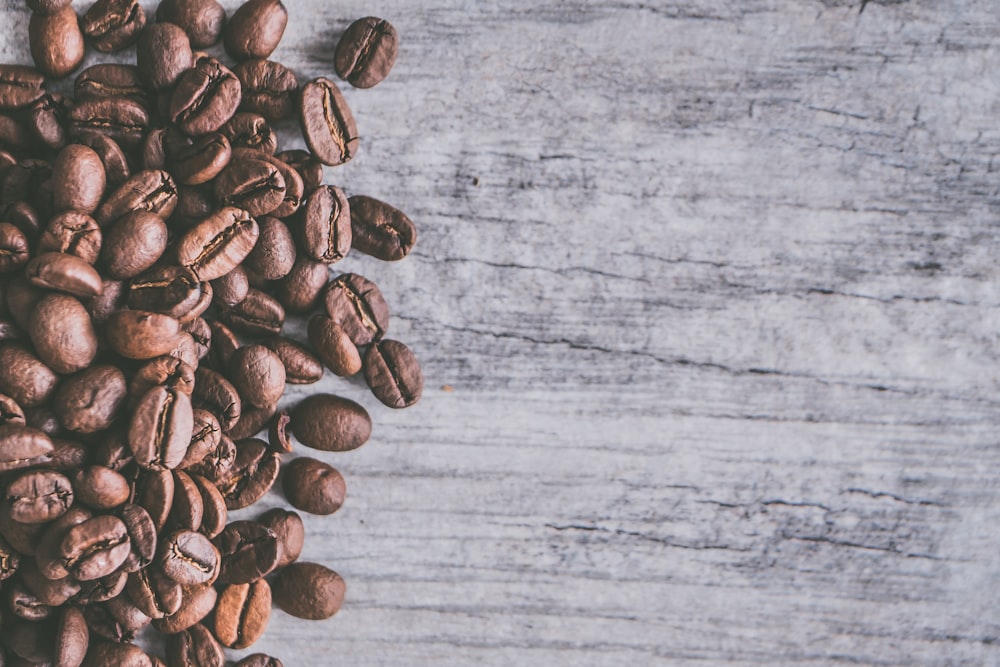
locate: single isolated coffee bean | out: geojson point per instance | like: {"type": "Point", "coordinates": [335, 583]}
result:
{"type": "Point", "coordinates": [64, 273]}
{"type": "Point", "coordinates": [393, 374]}
{"type": "Point", "coordinates": [57, 45]}
{"type": "Point", "coordinates": [202, 20]}
{"type": "Point", "coordinates": [71, 638]}
{"type": "Point", "coordinates": [201, 161]}
{"type": "Point", "coordinates": [380, 230]}
{"type": "Point", "coordinates": [62, 333]}
{"type": "Point", "coordinates": [160, 430]}
{"type": "Point", "coordinates": [259, 660]}
{"type": "Point", "coordinates": [101, 488]}
{"type": "Point", "coordinates": [133, 244]}
{"type": "Point", "coordinates": [152, 191]}
{"type": "Point", "coordinates": [255, 29]}
{"type": "Point", "coordinates": [95, 548]}
{"type": "Point", "coordinates": [309, 590]}
{"type": "Point", "coordinates": [142, 537]}
{"type": "Point", "coordinates": [274, 255]}
{"type": "Point", "coordinates": [314, 486]}
{"type": "Point", "coordinates": [301, 365]}
{"type": "Point", "coordinates": [136, 334]}
{"type": "Point", "coordinates": [13, 248]}
{"type": "Point", "coordinates": [112, 25]}
{"type": "Point", "coordinates": [252, 475]}
{"type": "Point", "coordinates": [366, 52]}
{"type": "Point", "coordinates": [331, 423]}
{"type": "Point", "coordinates": [255, 186]}
{"type": "Point", "coordinates": [91, 400]}
{"type": "Point", "coordinates": [250, 130]}
{"type": "Point", "coordinates": [327, 122]}
{"type": "Point", "coordinates": [259, 314]}
{"type": "Point", "coordinates": [23, 447]}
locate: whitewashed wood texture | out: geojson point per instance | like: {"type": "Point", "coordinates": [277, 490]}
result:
{"type": "Point", "coordinates": [714, 287]}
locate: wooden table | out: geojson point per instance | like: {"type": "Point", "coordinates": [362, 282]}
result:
{"type": "Point", "coordinates": [706, 297]}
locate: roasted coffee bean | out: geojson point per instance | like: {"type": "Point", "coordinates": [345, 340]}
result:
{"type": "Point", "coordinates": [294, 188]}
{"type": "Point", "coordinates": [56, 42]}
{"type": "Point", "coordinates": [20, 86]}
{"type": "Point", "coordinates": [100, 488]}
{"type": "Point", "coordinates": [160, 430]}
{"type": "Point", "coordinates": [255, 186]}
{"type": "Point", "coordinates": [200, 332]}
{"type": "Point", "coordinates": [31, 642]}
{"type": "Point", "coordinates": [242, 613]}
{"type": "Point", "coordinates": [327, 122]}
{"type": "Point", "coordinates": [71, 639]}
{"type": "Point", "coordinates": [48, 119]}
{"type": "Point", "coordinates": [205, 98]}
{"type": "Point", "coordinates": [356, 304]}
{"type": "Point", "coordinates": [104, 624]}
{"type": "Point", "coordinates": [393, 374]}
{"type": "Point", "coordinates": [187, 509]}
{"type": "Point", "coordinates": [91, 400]}
{"type": "Point", "coordinates": [253, 474]}
{"type": "Point", "coordinates": [224, 343]}
{"type": "Point", "coordinates": [64, 273]}
{"type": "Point", "coordinates": [300, 291]}
{"type": "Point", "coordinates": [13, 248]}
{"type": "Point", "coordinates": [155, 494]}
{"type": "Point", "coordinates": [301, 365]}
{"type": "Point", "coordinates": [67, 455]}
{"type": "Point", "coordinates": [153, 191]}
{"type": "Point", "coordinates": [133, 244]}
{"type": "Point", "coordinates": [231, 288]}
{"type": "Point", "coordinates": [119, 118]}
{"type": "Point", "coordinates": [62, 333]}
{"type": "Point", "coordinates": [108, 302]}
{"type": "Point", "coordinates": [194, 647]}
{"type": "Point", "coordinates": [157, 144]}
{"type": "Point", "coordinates": [189, 558]}
{"type": "Point", "coordinates": [74, 234]}
{"type": "Point", "coordinates": [249, 551]}
{"type": "Point", "coordinates": [214, 514]}
{"type": "Point", "coordinates": [102, 654]}
{"type": "Point", "coordinates": [115, 163]}
{"type": "Point", "coordinates": [101, 590]}
{"type": "Point", "coordinates": [39, 496]}
{"type": "Point", "coordinates": [136, 334]}
{"type": "Point", "coordinates": [26, 604]}
{"type": "Point", "coordinates": [113, 452]}
{"type": "Point", "coordinates": [250, 130]}
{"type": "Point", "coordinates": [219, 244]}
{"type": "Point", "coordinates": [366, 52]}
{"type": "Point", "coordinates": [255, 29]}
{"type": "Point", "coordinates": [44, 419]}
{"type": "Point", "coordinates": [171, 290]}
{"type": "Point", "coordinates": [278, 435]}
{"type": "Point", "coordinates": [308, 590]}
{"type": "Point", "coordinates": [258, 374]}
{"type": "Point", "coordinates": [167, 371]}
{"type": "Point", "coordinates": [198, 603]}
{"type": "Point", "coordinates": [202, 20]}
{"type": "Point", "coordinates": [204, 438]}
{"type": "Point", "coordinates": [22, 297]}
{"type": "Point", "coordinates": [154, 593]}
{"type": "Point", "coordinates": [327, 228]}
{"type": "Point", "coordinates": [142, 536]}
{"type": "Point", "coordinates": [380, 230]}
{"type": "Point", "coordinates": [22, 536]}
{"type": "Point", "coordinates": [112, 25]}
{"type": "Point", "coordinates": [215, 393]}
{"type": "Point", "coordinates": [111, 80]}
{"type": "Point", "coordinates": [331, 423]}
{"type": "Point", "coordinates": [51, 592]}
{"type": "Point", "coordinates": [95, 548]}
{"type": "Point", "coordinates": [269, 88]}
{"type": "Point", "coordinates": [259, 660]}
{"type": "Point", "coordinates": [304, 162]}
{"type": "Point", "coordinates": [259, 314]}
{"type": "Point", "coordinates": [10, 412]}
{"type": "Point", "coordinates": [201, 161]}
{"type": "Point", "coordinates": [290, 532]}
{"type": "Point", "coordinates": [217, 463]}
{"type": "Point", "coordinates": [48, 558]}
{"type": "Point", "coordinates": [334, 346]}
{"type": "Point", "coordinates": [314, 486]}
{"type": "Point", "coordinates": [252, 421]}
{"type": "Point", "coordinates": [130, 618]}
{"type": "Point", "coordinates": [162, 55]}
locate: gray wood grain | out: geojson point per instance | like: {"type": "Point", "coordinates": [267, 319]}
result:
{"type": "Point", "coordinates": [706, 297]}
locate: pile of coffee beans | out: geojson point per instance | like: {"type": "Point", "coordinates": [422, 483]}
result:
{"type": "Point", "coordinates": [153, 239]}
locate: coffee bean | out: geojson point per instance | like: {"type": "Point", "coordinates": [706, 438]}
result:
{"type": "Point", "coordinates": [205, 98]}
{"type": "Point", "coordinates": [200, 333]}
{"type": "Point", "coordinates": [26, 604]}
{"type": "Point", "coordinates": [171, 290]}
{"type": "Point", "coordinates": [156, 594]}
{"type": "Point", "coordinates": [252, 421]}
{"type": "Point", "coordinates": [72, 638]}
{"type": "Point", "coordinates": [219, 244]}
{"type": "Point", "coordinates": [22, 297]}
{"type": "Point", "coordinates": [198, 602]}
{"type": "Point", "coordinates": [290, 532]}
{"type": "Point", "coordinates": [67, 455]}
{"type": "Point", "coordinates": [189, 558]}
{"type": "Point", "coordinates": [118, 118]}
{"type": "Point", "coordinates": [50, 592]}
{"type": "Point", "coordinates": [202, 160]}
{"type": "Point", "coordinates": [249, 551]}
{"type": "Point", "coordinates": [102, 654]}
{"type": "Point", "coordinates": [252, 475]}
{"type": "Point", "coordinates": [327, 231]}
{"type": "Point", "coordinates": [20, 86]}
{"type": "Point", "coordinates": [331, 423]}
{"type": "Point", "coordinates": [269, 88]}
{"type": "Point", "coordinates": [48, 558]}
{"type": "Point", "coordinates": [242, 613]}
{"type": "Point", "coordinates": [205, 437]}
{"type": "Point", "coordinates": [48, 119]}
{"type": "Point", "coordinates": [56, 42]}
{"type": "Point", "coordinates": [154, 492]}
{"type": "Point", "coordinates": [334, 346]}
{"type": "Point", "coordinates": [13, 248]}
{"type": "Point", "coordinates": [380, 230]}
{"type": "Point", "coordinates": [215, 514]}
{"type": "Point", "coordinates": [65, 273]}
{"type": "Point", "coordinates": [314, 486]}
{"type": "Point", "coordinates": [115, 163]}
{"type": "Point", "coordinates": [95, 548]}
{"type": "Point", "coordinates": [356, 304]}
{"type": "Point", "coordinates": [133, 244]}
{"type": "Point", "coordinates": [160, 430]}
{"type": "Point", "coordinates": [202, 20]}
{"type": "Point", "coordinates": [111, 80]}
{"type": "Point", "coordinates": [10, 412]}
{"type": "Point", "coordinates": [327, 122]}
{"type": "Point", "coordinates": [259, 314]}
{"type": "Point", "coordinates": [255, 186]}
{"type": "Point", "coordinates": [278, 435]}
{"type": "Point", "coordinates": [104, 624]}
{"type": "Point", "coordinates": [187, 509]}
{"type": "Point", "coordinates": [300, 291]}
{"type": "Point", "coordinates": [366, 52]}
{"type": "Point", "coordinates": [163, 54]}
{"type": "Point", "coordinates": [304, 162]}
{"type": "Point", "coordinates": [23, 537]}
{"type": "Point", "coordinates": [112, 25]}
{"type": "Point", "coordinates": [255, 29]}
{"type": "Point", "coordinates": [153, 191]}
{"type": "Point", "coordinates": [74, 234]}
{"type": "Point", "coordinates": [136, 334]}
{"type": "Point", "coordinates": [101, 488]}
{"type": "Point", "coordinates": [215, 393]}
{"type": "Point", "coordinates": [62, 333]}
{"type": "Point", "coordinates": [393, 374]}
{"type": "Point", "coordinates": [308, 590]}
{"type": "Point", "coordinates": [258, 374]}
{"type": "Point", "coordinates": [194, 647]}
{"type": "Point", "coordinates": [250, 130]}
{"type": "Point", "coordinates": [231, 288]}
{"type": "Point", "coordinates": [142, 537]}
{"type": "Point", "coordinates": [38, 496]}
{"type": "Point", "coordinates": [80, 173]}
{"type": "Point", "coordinates": [301, 365]}
{"type": "Point", "coordinates": [259, 660]}
{"type": "Point", "coordinates": [91, 400]}
{"type": "Point", "coordinates": [219, 462]}
{"type": "Point", "coordinates": [294, 188]}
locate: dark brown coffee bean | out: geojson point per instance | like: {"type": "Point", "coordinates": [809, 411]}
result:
{"type": "Point", "coordinates": [393, 374]}
{"type": "Point", "coordinates": [23, 537]}
{"type": "Point", "coordinates": [108, 302]}
{"type": "Point", "coordinates": [154, 593]}
{"type": "Point", "coordinates": [294, 188]}
{"type": "Point", "coordinates": [366, 52]}
{"type": "Point", "coordinates": [111, 80]}
{"type": "Point", "coordinates": [278, 435]}
{"type": "Point", "coordinates": [357, 304]}
{"type": "Point", "coordinates": [172, 290]}
{"type": "Point", "coordinates": [162, 55]}
{"type": "Point", "coordinates": [25, 604]}
{"type": "Point", "coordinates": [215, 514]}
{"type": "Point", "coordinates": [218, 463]}
{"type": "Point", "coordinates": [48, 557]}
{"type": "Point", "coordinates": [215, 393]}
{"type": "Point", "coordinates": [118, 118]}
{"type": "Point", "coordinates": [56, 42]}
{"type": "Point", "coordinates": [153, 191]}
{"type": "Point", "coordinates": [158, 144]}
{"type": "Point", "coordinates": [252, 421]}
{"type": "Point", "coordinates": [62, 333]}
{"type": "Point", "coordinates": [219, 244]}
{"type": "Point", "coordinates": [231, 288]}
{"type": "Point", "coordinates": [51, 592]}
{"type": "Point", "coordinates": [327, 229]}
{"type": "Point", "coordinates": [154, 492]}
{"type": "Point", "coordinates": [95, 548]}
{"type": "Point", "coordinates": [189, 558]}
{"type": "Point", "coordinates": [304, 162]}
{"type": "Point", "coordinates": [112, 452]}
{"type": "Point", "coordinates": [160, 430]}
{"type": "Point", "coordinates": [249, 551]}
{"type": "Point", "coordinates": [224, 343]}
{"type": "Point", "coordinates": [242, 613]}
{"type": "Point", "coordinates": [48, 119]}
{"type": "Point", "coordinates": [202, 160]}
{"type": "Point", "coordinates": [255, 186]}
{"type": "Point", "coordinates": [300, 291]}
{"type": "Point", "coordinates": [68, 455]}
{"type": "Point", "coordinates": [102, 654]}
{"type": "Point", "coordinates": [91, 400]}
{"type": "Point", "coordinates": [133, 244]}
{"type": "Point", "coordinates": [20, 86]}
{"type": "Point", "coordinates": [194, 647]}
{"type": "Point", "coordinates": [290, 532]}
{"type": "Point", "coordinates": [187, 510]}
{"type": "Point", "coordinates": [115, 163]}
{"type": "Point", "coordinates": [314, 486]}
{"type": "Point", "coordinates": [198, 602]}
{"type": "Point", "coordinates": [250, 130]}
{"type": "Point", "coordinates": [258, 374]}
{"type": "Point", "coordinates": [10, 560]}
{"type": "Point", "coordinates": [308, 590]}
{"type": "Point", "coordinates": [334, 346]}
{"type": "Point", "coordinates": [204, 438]}
{"type": "Point", "coordinates": [112, 25]}
{"type": "Point", "coordinates": [167, 371]}
{"type": "Point", "coordinates": [65, 273]}
{"type": "Point", "coordinates": [39, 496]}
{"type": "Point", "coordinates": [101, 590]}
{"type": "Point", "coordinates": [202, 20]}
{"type": "Point", "coordinates": [72, 638]}
{"type": "Point", "coordinates": [205, 98]}
{"type": "Point", "coordinates": [259, 314]}
{"type": "Point", "coordinates": [259, 660]}
{"type": "Point", "coordinates": [253, 474]}
{"type": "Point", "coordinates": [135, 334]}
{"type": "Point", "coordinates": [74, 234]}
{"type": "Point", "coordinates": [327, 122]}
{"type": "Point", "coordinates": [101, 488]}
{"type": "Point", "coordinates": [200, 333]}
{"type": "Point", "coordinates": [255, 29]}
{"type": "Point", "coordinates": [141, 534]}
{"type": "Point", "coordinates": [13, 248]}
{"type": "Point", "coordinates": [301, 365]}
{"type": "Point", "coordinates": [269, 88]}
{"type": "Point", "coordinates": [381, 230]}
{"type": "Point", "coordinates": [104, 624]}
{"type": "Point", "coordinates": [331, 423]}
{"type": "Point", "coordinates": [13, 135]}
{"type": "Point", "coordinates": [24, 216]}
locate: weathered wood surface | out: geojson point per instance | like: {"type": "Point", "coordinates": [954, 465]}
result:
{"type": "Point", "coordinates": [714, 285]}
